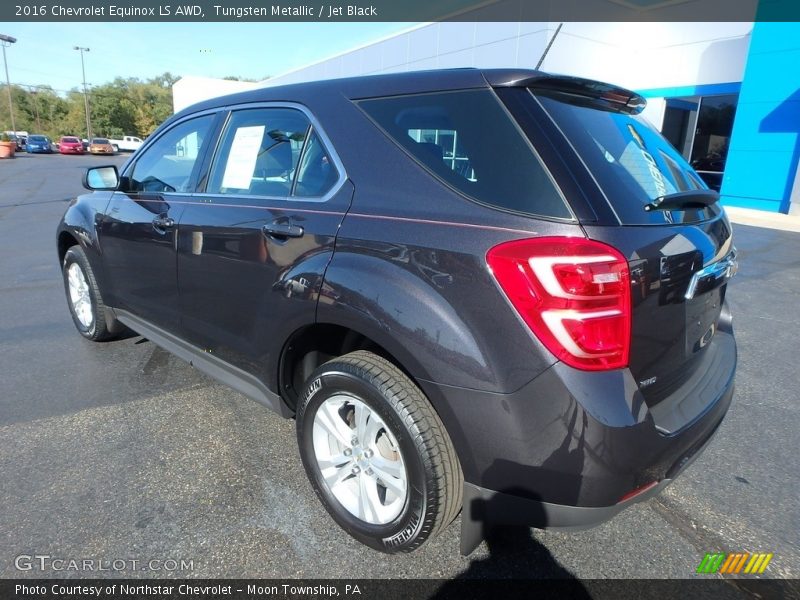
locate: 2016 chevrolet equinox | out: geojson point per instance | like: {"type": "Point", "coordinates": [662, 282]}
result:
{"type": "Point", "coordinates": [500, 292]}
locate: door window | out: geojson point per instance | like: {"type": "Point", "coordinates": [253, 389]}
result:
{"type": "Point", "coordinates": [317, 173]}
{"type": "Point", "coordinates": [168, 164]}
{"type": "Point", "coordinates": [271, 152]}
{"type": "Point", "coordinates": [259, 153]}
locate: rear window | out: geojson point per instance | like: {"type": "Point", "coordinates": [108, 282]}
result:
{"type": "Point", "coordinates": [467, 140]}
{"type": "Point", "coordinates": [631, 161]}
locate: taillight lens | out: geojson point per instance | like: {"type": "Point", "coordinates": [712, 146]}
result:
{"type": "Point", "coordinates": [573, 293]}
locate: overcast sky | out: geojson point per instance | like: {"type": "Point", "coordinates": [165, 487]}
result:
{"type": "Point", "coordinates": [43, 54]}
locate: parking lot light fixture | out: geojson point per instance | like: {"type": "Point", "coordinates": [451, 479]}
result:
{"type": "Point", "coordinates": [7, 40]}
{"type": "Point", "coordinates": [81, 49]}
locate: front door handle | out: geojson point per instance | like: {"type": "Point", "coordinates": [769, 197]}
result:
{"type": "Point", "coordinates": [163, 222]}
{"type": "Point", "coordinates": [283, 230]}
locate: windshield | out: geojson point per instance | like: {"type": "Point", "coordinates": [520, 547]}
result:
{"type": "Point", "coordinates": [99, 141]}
{"type": "Point", "coordinates": [631, 161]}
{"type": "Point", "coordinates": [37, 138]}
{"type": "Point", "coordinates": [70, 140]}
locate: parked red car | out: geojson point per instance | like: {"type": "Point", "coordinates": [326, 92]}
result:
{"type": "Point", "coordinates": [70, 145]}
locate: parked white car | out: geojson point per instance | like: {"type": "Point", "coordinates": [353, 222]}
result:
{"type": "Point", "coordinates": [128, 143]}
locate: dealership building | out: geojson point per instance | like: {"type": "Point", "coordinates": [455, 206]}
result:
{"type": "Point", "coordinates": [727, 95]}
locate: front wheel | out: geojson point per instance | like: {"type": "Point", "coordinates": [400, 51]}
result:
{"type": "Point", "coordinates": [377, 454]}
{"type": "Point", "coordinates": [83, 297]}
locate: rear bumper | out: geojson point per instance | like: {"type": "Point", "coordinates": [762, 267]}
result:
{"type": "Point", "coordinates": [563, 451]}
{"type": "Point", "coordinates": [481, 504]}
{"type": "Point", "coordinates": [489, 506]}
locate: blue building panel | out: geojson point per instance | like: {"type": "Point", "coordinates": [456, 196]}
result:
{"type": "Point", "coordinates": [708, 89]}
{"type": "Point", "coordinates": [765, 143]}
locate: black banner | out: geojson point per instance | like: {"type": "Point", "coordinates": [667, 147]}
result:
{"type": "Point", "coordinates": [376, 589]}
{"type": "Point", "coordinates": [397, 10]}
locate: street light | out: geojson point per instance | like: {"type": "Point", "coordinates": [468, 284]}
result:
{"type": "Point", "coordinates": [85, 94]}
{"type": "Point", "coordinates": [7, 40]}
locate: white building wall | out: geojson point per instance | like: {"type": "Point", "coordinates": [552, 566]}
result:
{"type": "Point", "coordinates": [189, 90]}
{"type": "Point", "coordinates": [634, 55]}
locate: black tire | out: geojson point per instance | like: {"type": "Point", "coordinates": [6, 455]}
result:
{"type": "Point", "coordinates": [102, 324]}
{"type": "Point", "coordinates": [435, 480]}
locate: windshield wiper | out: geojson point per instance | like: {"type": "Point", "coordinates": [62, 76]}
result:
{"type": "Point", "coordinates": [683, 200]}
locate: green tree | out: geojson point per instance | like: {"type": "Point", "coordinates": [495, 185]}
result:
{"type": "Point", "coordinates": [125, 106]}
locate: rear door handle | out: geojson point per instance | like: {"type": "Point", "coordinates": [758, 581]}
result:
{"type": "Point", "coordinates": [163, 222]}
{"type": "Point", "coordinates": [283, 229]}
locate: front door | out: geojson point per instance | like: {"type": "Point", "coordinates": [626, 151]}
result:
{"type": "Point", "coordinates": [139, 230]}
{"type": "Point", "coordinates": [253, 248]}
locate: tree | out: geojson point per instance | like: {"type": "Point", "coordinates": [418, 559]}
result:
{"type": "Point", "coordinates": [125, 106]}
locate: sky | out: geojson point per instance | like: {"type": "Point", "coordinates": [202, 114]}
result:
{"type": "Point", "coordinates": [44, 55]}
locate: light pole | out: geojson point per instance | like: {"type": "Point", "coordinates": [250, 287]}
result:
{"type": "Point", "coordinates": [7, 40]}
{"type": "Point", "coordinates": [85, 94]}
{"type": "Point", "coordinates": [35, 94]}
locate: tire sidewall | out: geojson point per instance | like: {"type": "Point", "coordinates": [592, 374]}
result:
{"type": "Point", "coordinates": [401, 533]}
{"type": "Point", "coordinates": [74, 257]}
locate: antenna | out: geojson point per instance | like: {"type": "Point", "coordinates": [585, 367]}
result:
{"type": "Point", "coordinates": [546, 50]}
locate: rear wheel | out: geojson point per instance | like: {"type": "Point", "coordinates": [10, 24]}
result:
{"type": "Point", "coordinates": [377, 453]}
{"type": "Point", "coordinates": [89, 313]}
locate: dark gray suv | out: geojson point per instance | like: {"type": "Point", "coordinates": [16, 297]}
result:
{"type": "Point", "coordinates": [498, 292]}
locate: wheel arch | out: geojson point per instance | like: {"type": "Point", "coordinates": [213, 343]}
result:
{"type": "Point", "coordinates": [314, 344]}
{"type": "Point", "coordinates": [66, 239]}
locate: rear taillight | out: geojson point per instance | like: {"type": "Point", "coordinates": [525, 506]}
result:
{"type": "Point", "coordinates": [573, 293]}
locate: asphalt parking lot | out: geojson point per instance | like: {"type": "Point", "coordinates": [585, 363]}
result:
{"type": "Point", "coordinates": [121, 451]}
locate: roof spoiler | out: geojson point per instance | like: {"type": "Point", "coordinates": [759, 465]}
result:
{"type": "Point", "coordinates": [608, 96]}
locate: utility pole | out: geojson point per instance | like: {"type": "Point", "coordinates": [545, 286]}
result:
{"type": "Point", "coordinates": [7, 40]}
{"type": "Point", "coordinates": [35, 94]}
{"type": "Point", "coordinates": [85, 93]}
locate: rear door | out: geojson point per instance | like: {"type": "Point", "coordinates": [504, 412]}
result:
{"type": "Point", "coordinates": [253, 246]}
{"type": "Point", "coordinates": [139, 229]}
{"type": "Point", "coordinates": [680, 260]}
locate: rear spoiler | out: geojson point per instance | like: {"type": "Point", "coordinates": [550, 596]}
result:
{"type": "Point", "coordinates": [605, 95]}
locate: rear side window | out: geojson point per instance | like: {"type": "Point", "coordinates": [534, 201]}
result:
{"type": "Point", "coordinates": [271, 152]}
{"type": "Point", "coordinates": [316, 174]}
{"type": "Point", "coordinates": [468, 141]}
{"type": "Point", "coordinates": [259, 152]}
{"type": "Point", "coordinates": [631, 161]}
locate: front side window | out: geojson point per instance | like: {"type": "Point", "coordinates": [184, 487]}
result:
{"type": "Point", "coordinates": [466, 139]}
{"type": "Point", "coordinates": [167, 165]}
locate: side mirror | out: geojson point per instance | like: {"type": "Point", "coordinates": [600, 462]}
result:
{"type": "Point", "coordinates": [100, 179]}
